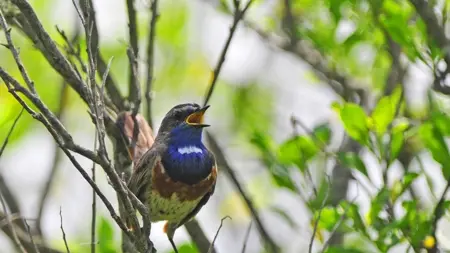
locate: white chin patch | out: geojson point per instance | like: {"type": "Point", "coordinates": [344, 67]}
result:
{"type": "Point", "coordinates": [189, 150]}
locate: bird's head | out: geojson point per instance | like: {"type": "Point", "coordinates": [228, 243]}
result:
{"type": "Point", "coordinates": [184, 122]}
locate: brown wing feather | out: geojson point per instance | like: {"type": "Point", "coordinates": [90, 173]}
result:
{"type": "Point", "coordinates": [142, 174]}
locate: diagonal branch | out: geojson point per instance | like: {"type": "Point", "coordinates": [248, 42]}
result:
{"type": "Point", "coordinates": [55, 164]}
{"type": "Point", "coordinates": [64, 141]}
{"type": "Point", "coordinates": [198, 236]}
{"type": "Point", "coordinates": [28, 19]}
{"type": "Point", "coordinates": [8, 135]}
{"type": "Point", "coordinates": [10, 223]}
{"type": "Point", "coordinates": [223, 163]}
{"type": "Point", "coordinates": [238, 16]}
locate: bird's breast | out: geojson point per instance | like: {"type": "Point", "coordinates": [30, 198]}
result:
{"type": "Point", "coordinates": [174, 199]}
{"type": "Point", "coordinates": [168, 188]}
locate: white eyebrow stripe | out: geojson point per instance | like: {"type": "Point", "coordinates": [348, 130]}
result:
{"type": "Point", "coordinates": [189, 150]}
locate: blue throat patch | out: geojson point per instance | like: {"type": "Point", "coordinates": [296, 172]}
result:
{"type": "Point", "coordinates": [186, 159]}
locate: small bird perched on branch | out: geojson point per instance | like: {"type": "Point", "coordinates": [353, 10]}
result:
{"type": "Point", "coordinates": [177, 175]}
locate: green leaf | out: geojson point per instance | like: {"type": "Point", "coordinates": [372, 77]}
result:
{"type": "Point", "coordinates": [323, 190]}
{"type": "Point", "coordinates": [322, 133]}
{"type": "Point", "coordinates": [352, 160]}
{"type": "Point", "coordinates": [343, 249]}
{"type": "Point", "coordinates": [442, 122]}
{"type": "Point", "coordinates": [377, 205]}
{"type": "Point", "coordinates": [397, 140]}
{"type": "Point", "coordinates": [281, 177]}
{"type": "Point", "coordinates": [352, 212]}
{"type": "Point", "coordinates": [400, 186]}
{"type": "Point", "coordinates": [329, 216]}
{"type": "Point", "coordinates": [355, 122]}
{"type": "Point", "coordinates": [105, 234]}
{"type": "Point", "coordinates": [298, 151]}
{"type": "Point", "coordinates": [384, 112]}
{"type": "Point", "coordinates": [416, 221]}
{"type": "Point", "coordinates": [434, 141]}
{"type": "Point", "coordinates": [266, 146]}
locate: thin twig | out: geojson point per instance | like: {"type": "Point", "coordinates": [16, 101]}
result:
{"type": "Point", "coordinates": [97, 109]}
{"type": "Point", "coordinates": [35, 30]}
{"type": "Point", "coordinates": [15, 53]}
{"type": "Point", "coordinates": [150, 61]}
{"type": "Point", "coordinates": [90, 25]}
{"type": "Point", "coordinates": [341, 220]}
{"type": "Point", "coordinates": [294, 122]}
{"type": "Point", "coordinates": [55, 163]}
{"type": "Point", "coordinates": [5, 142]}
{"type": "Point", "coordinates": [94, 203]}
{"type": "Point", "coordinates": [11, 225]}
{"type": "Point", "coordinates": [198, 236]}
{"type": "Point", "coordinates": [31, 236]}
{"type": "Point", "coordinates": [316, 223]}
{"type": "Point", "coordinates": [438, 212]}
{"type": "Point", "coordinates": [59, 137]}
{"type": "Point", "coordinates": [62, 230]}
{"type": "Point", "coordinates": [223, 163]}
{"type": "Point", "coordinates": [238, 16]}
{"type": "Point", "coordinates": [217, 233]}
{"type": "Point", "coordinates": [247, 235]}
{"type": "Point", "coordinates": [9, 198]}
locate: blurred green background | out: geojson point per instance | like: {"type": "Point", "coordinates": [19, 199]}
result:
{"type": "Point", "coordinates": [260, 88]}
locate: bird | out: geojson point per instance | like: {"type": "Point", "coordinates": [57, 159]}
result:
{"type": "Point", "coordinates": [177, 175]}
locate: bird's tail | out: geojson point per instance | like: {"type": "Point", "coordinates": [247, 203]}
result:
{"type": "Point", "coordinates": [143, 137]}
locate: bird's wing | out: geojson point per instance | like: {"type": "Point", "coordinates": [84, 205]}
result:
{"type": "Point", "coordinates": [140, 179]}
{"type": "Point", "coordinates": [144, 141]}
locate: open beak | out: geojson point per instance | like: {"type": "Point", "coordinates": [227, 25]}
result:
{"type": "Point", "coordinates": [196, 118]}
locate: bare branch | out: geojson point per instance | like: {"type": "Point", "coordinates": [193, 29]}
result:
{"type": "Point", "coordinates": [59, 138]}
{"type": "Point", "coordinates": [90, 25]}
{"type": "Point", "coordinates": [290, 23]}
{"type": "Point", "coordinates": [150, 59]}
{"type": "Point", "coordinates": [223, 163]}
{"type": "Point", "coordinates": [55, 164]}
{"type": "Point", "coordinates": [438, 212]}
{"type": "Point", "coordinates": [62, 230]}
{"type": "Point", "coordinates": [198, 236]}
{"type": "Point", "coordinates": [247, 235]}
{"type": "Point", "coordinates": [217, 233]}
{"type": "Point", "coordinates": [34, 29]}
{"type": "Point", "coordinates": [316, 223]}
{"type": "Point", "coordinates": [31, 236]}
{"type": "Point", "coordinates": [133, 82]}
{"type": "Point", "coordinates": [15, 53]}
{"type": "Point", "coordinates": [24, 236]}
{"type": "Point", "coordinates": [11, 225]}
{"type": "Point", "coordinates": [135, 92]}
{"type": "Point", "coordinates": [5, 142]}
{"type": "Point", "coordinates": [238, 16]}
{"type": "Point", "coordinates": [94, 203]}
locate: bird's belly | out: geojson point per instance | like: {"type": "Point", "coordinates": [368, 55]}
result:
{"type": "Point", "coordinates": [170, 209]}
